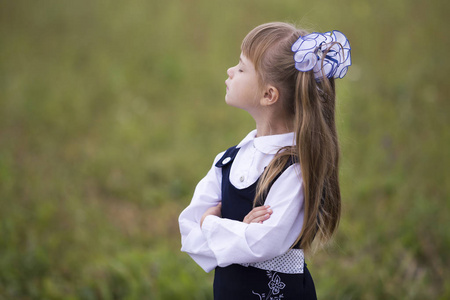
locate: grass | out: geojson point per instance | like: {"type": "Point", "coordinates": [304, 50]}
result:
{"type": "Point", "coordinates": [112, 112]}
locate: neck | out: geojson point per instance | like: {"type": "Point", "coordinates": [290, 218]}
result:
{"type": "Point", "coordinates": [271, 124]}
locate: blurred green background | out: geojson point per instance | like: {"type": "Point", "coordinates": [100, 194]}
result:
{"type": "Point", "coordinates": [112, 111]}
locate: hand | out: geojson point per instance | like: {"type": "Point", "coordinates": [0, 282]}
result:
{"type": "Point", "coordinates": [258, 214]}
{"type": "Point", "coordinates": [212, 211]}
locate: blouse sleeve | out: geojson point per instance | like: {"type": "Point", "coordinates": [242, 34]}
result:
{"type": "Point", "coordinates": [236, 242]}
{"type": "Point", "coordinates": [207, 194]}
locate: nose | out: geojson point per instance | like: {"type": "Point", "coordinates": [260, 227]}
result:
{"type": "Point", "coordinates": [230, 72]}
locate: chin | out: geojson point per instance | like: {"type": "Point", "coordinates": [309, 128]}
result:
{"type": "Point", "coordinates": [230, 103]}
{"type": "Point", "coordinates": [227, 101]}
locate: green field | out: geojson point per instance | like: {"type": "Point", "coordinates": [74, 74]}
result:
{"type": "Point", "coordinates": [112, 111]}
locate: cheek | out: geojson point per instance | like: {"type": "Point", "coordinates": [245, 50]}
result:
{"type": "Point", "coordinates": [252, 87]}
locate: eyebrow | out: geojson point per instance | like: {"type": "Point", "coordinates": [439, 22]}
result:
{"type": "Point", "coordinates": [240, 60]}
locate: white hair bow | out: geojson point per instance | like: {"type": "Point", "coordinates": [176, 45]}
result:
{"type": "Point", "coordinates": [310, 49]}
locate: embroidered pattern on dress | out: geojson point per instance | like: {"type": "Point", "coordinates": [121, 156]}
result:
{"type": "Point", "coordinates": [275, 285]}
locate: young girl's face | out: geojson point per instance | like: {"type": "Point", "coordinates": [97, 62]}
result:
{"type": "Point", "coordinates": [243, 89]}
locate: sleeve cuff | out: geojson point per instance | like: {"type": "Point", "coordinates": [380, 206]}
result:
{"type": "Point", "coordinates": [209, 224]}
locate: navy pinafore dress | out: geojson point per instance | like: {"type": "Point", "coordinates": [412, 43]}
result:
{"type": "Point", "coordinates": [236, 282]}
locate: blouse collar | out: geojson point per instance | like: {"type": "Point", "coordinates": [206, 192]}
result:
{"type": "Point", "coordinates": [269, 144]}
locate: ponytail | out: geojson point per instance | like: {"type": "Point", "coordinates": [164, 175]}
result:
{"type": "Point", "coordinates": [318, 151]}
{"type": "Point", "coordinates": [311, 105]}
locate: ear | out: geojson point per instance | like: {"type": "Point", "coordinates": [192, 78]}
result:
{"type": "Point", "coordinates": [271, 96]}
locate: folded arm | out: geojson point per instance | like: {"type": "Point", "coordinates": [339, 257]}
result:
{"type": "Point", "coordinates": [207, 194]}
{"type": "Point", "coordinates": [238, 242]}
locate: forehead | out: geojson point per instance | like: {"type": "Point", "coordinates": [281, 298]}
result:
{"type": "Point", "coordinates": [244, 60]}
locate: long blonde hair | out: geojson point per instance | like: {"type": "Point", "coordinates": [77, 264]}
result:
{"type": "Point", "coordinates": [311, 104]}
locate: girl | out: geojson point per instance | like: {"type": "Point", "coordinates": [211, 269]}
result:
{"type": "Point", "coordinates": [265, 200]}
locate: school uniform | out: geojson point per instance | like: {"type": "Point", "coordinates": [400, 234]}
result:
{"type": "Point", "coordinates": [251, 261]}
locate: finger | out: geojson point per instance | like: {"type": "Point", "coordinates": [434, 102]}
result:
{"type": "Point", "coordinates": [257, 212]}
{"type": "Point", "coordinates": [259, 208]}
{"type": "Point", "coordinates": [258, 216]}
{"type": "Point", "coordinates": [260, 219]}
{"type": "Point", "coordinates": [261, 212]}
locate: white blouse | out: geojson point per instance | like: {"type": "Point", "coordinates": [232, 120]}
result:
{"type": "Point", "coordinates": [220, 241]}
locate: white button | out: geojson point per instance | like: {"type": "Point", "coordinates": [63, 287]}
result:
{"type": "Point", "coordinates": [242, 178]}
{"type": "Point", "coordinates": [226, 160]}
